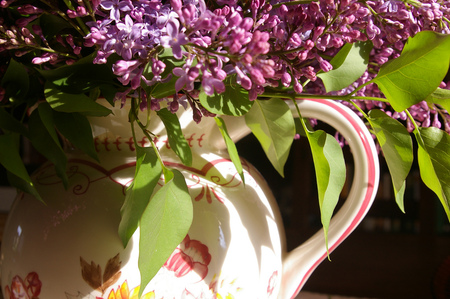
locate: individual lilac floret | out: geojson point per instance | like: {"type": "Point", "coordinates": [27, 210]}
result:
{"type": "Point", "coordinates": [174, 39]}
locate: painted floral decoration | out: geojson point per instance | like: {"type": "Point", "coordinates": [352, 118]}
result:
{"type": "Point", "coordinates": [386, 59]}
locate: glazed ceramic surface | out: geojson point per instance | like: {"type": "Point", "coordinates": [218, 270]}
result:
{"type": "Point", "coordinates": [235, 248]}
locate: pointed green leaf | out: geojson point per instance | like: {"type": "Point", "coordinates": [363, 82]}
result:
{"type": "Point", "coordinates": [9, 123]}
{"type": "Point", "coordinates": [147, 174]}
{"type": "Point", "coordinates": [417, 72]}
{"type": "Point", "coordinates": [272, 123]}
{"type": "Point", "coordinates": [47, 118]}
{"type": "Point", "coordinates": [434, 162]}
{"type": "Point", "coordinates": [167, 89]}
{"type": "Point", "coordinates": [441, 97]}
{"type": "Point", "coordinates": [76, 128]}
{"type": "Point", "coordinates": [349, 64]}
{"type": "Point", "coordinates": [164, 225]}
{"type": "Point", "coordinates": [16, 80]}
{"type": "Point", "coordinates": [234, 101]}
{"type": "Point", "coordinates": [45, 144]}
{"type": "Point", "coordinates": [231, 147]}
{"type": "Point", "coordinates": [66, 102]}
{"type": "Point", "coordinates": [330, 170]}
{"type": "Point", "coordinates": [24, 185]}
{"type": "Point", "coordinates": [396, 144]}
{"type": "Point", "coordinates": [11, 160]}
{"type": "Point", "coordinates": [176, 138]}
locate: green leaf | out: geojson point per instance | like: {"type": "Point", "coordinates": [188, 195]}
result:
{"type": "Point", "coordinates": [46, 116]}
{"type": "Point", "coordinates": [396, 144]}
{"type": "Point", "coordinates": [272, 123]}
{"type": "Point", "coordinates": [42, 140]}
{"type": "Point", "coordinates": [434, 162]}
{"type": "Point", "coordinates": [66, 102]}
{"type": "Point", "coordinates": [52, 24]}
{"type": "Point", "coordinates": [77, 129]}
{"type": "Point", "coordinates": [330, 170]}
{"type": "Point", "coordinates": [176, 138]}
{"type": "Point", "coordinates": [417, 72]}
{"type": "Point", "coordinates": [167, 89]}
{"type": "Point", "coordinates": [24, 185]}
{"type": "Point", "coordinates": [16, 80]}
{"type": "Point", "coordinates": [231, 147]}
{"type": "Point", "coordinates": [147, 174]}
{"type": "Point", "coordinates": [164, 225]}
{"type": "Point", "coordinates": [349, 64]}
{"type": "Point", "coordinates": [9, 123]}
{"type": "Point", "coordinates": [82, 76]}
{"type": "Point", "coordinates": [441, 97]}
{"type": "Point", "coordinates": [11, 160]}
{"type": "Point", "coordinates": [234, 101]}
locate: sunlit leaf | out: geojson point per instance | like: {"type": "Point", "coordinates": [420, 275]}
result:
{"type": "Point", "coordinates": [272, 123]}
{"type": "Point", "coordinates": [349, 64]}
{"type": "Point", "coordinates": [164, 225]}
{"type": "Point", "coordinates": [67, 102]}
{"type": "Point", "coordinates": [231, 147]}
{"type": "Point", "coordinates": [234, 101]}
{"type": "Point", "coordinates": [434, 162]}
{"type": "Point", "coordinates": [176, 138]}
{"type": "Point", "coordinates": [330, 170]}
{"type": "Point", "coordinates": [147, 174]}
{"type": "Point", "coordinates": [396, 144]}
{"type": "Point", "coordinates": [417, 72]}
{"type": "Point", "coordinates": [441, 97]}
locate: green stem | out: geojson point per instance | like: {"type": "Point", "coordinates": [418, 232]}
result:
{"type": "Point", "coordinates": [292, 3]}
{"type": "Point", "coordinates": [134, 118]}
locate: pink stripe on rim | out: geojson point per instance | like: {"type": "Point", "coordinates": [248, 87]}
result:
{"type": "Point", "coordinates": [369, 191]}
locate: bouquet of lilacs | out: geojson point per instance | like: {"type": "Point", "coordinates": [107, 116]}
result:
{"type": "Point", "coordinates": [386, 59]}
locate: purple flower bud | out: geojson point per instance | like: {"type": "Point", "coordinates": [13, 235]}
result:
{"type": "Point", "coordinates": [247, 24]}
{"type": "Point", "coordinates": [29, 9]}
{"type": "Point", "coordinates": [298, 88]}
{"type": "Point", "coordinates": [286, 79]}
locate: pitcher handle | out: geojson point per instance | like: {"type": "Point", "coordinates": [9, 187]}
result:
{"type": "Point", "coordinates": [299, 264]}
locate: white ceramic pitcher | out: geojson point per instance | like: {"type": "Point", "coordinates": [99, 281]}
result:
{"type": "Point", "coordinates": [70, 248]}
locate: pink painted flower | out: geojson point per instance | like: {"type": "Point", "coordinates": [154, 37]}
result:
{"type": "Point", "coordinates": [191, 258]}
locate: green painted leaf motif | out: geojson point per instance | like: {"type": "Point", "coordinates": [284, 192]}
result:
{"type": "Point", "coordinates": [76, 128]}
{"type": "Point", "coordinates": [417, 72]}
{"type": "Point", "coordinates": [176, 138]}
{"type": "Point", "coordinates": [234, 101]}
{"type": "Point", "coordinates": [396, 144]}
{"type": "Point", "coordinates": [330, 170]}
{"type": "Point", "coordinates": [44, 143]}
{"type": "Point", "coordinates": [349, 64]}
{"type": "Point", "coordinates": [11, 160]}
{"type": "Point", "coordinates": [147, 174]}
{"type": "Point", "coordinates": [164, 225]}
{"type": "Point", "coordinates": [231, 147]}
{"type": "Point", "coordinates": [272, 123]}
{"type": "Point", "coordinates": [441, 97]}
{"type": "Point", "coordinates": [67, 102]}
{"type": "Point", "coordinates": [434, 162]}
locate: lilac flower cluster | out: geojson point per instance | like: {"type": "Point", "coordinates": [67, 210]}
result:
{"type": "Point", "coordinates": [257, 44]}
